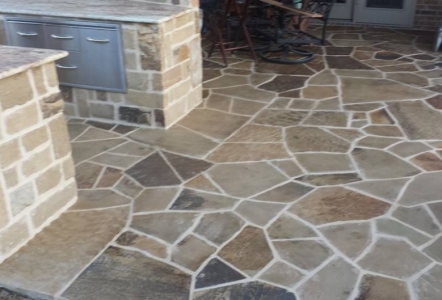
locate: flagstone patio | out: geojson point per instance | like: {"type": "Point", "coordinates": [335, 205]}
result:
{"type": "Point", "coordinates": [320, 181]}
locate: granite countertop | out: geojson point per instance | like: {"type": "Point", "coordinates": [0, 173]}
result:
{"type": "Point", "coordinates": [14, 60]}
{"type": "Point", "coordinates": [137, 11]}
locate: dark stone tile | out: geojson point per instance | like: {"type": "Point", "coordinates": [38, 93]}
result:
{"type": "Point", "coordinates": [284, 83]}
{"type": "Point", "coordinates": [159, 117]}
{"type": "Point", "coordinates": [250, 290]}
{"type": "Point", "coordinates": [107, 278]}
{"type": "Point", "coordinates": [338, 50]}
{"type": "Point", "coordinates": [10, 295]}
{"type": "Point", "coordinates": [345, 62]}
{"type": "Point", "coordinates": [216, 272]}
{"type": "Point", "coordinates": [185, 166]}
{"type": "Point", "coordinates": [266, 67]}
{"type": "Point", "coordinates": [207, 64]}
{"type": "Point", "coordinates": [386, 55]}
{"type": "Point", "coordinates": [101, 125]}
{"type": "Point", "coordinates": [329, 179]}
{"type": "Point", "coordinates": [134, 115]}
{"type": "Point", "coordinates": [153, 171]}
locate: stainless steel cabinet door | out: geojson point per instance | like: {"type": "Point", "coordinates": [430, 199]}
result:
{"type": "Point", "coordinates": [71, 69]}
{"type": "Point", "coordinates": [62, 37]}
{"type": "Point", "coordinates": [24, 34]}
{"type": "Point", "coordinates": [105, 68]}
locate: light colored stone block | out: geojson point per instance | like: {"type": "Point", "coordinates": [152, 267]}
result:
{"type": "Point", "coordinates": [184, 20]}
{"type": "Point", "coordinates": [51, 75]}
{"type": "Point", "coordinates": [53, 204]}
{"type": "Point", "coordinates": [36, 162]}
{"type": "Point", "coordinates": [35, 138]}
{"type": "Point", "coordinates": [68, 168]}
{"type": "Point", "coordinates": [39, 80]}
{"type": "Point", "coordinates": [22, 119]}
{"type": "Point", "coordinates": [11, 177]}
{"type": "Point", "coordinates": [13, 236]}
{"type": "Point", "coordinates": [21, 198]}
{"type": "Point", "coordinates": [9, 153]}
{"type": "Point", "coordinates": [184, 33]}
{"type": "Point", "coordinates": [128, 38]}
{"type": "Point", "coordinates": [15, 90]}
{"type": "Point", "coordinates": [138, 80]}
{"type": "Point", "coordinates": [174, 112]}
{"type": "Point", "coordinates": [60, 137]}
{"type": "Point", "coordinates": [144, 99]}
{"type": "Point", "coordinates": [48, 179]}
{"type": "Point", "coordinates": [103, 111]}
{"type": "Point", "coordinates": [4, 215]}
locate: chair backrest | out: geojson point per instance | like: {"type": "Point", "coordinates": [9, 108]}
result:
{"type": "Point", "coordinates": [322, 7]}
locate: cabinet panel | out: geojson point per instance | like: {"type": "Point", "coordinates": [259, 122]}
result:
{"type": "Point", "coordinates": [71, 69]}
{"type": "Point", "coordinates": [104, 59]}
{"type": "Point", "coordinates": [62, 37]}
{"type": "Point", "coordinates": [25, 34]}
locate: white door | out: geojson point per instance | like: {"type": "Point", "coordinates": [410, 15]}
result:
{"type": "Point", "coordinates": [390, 12]}
{"type": "Point", "coordinates": [342, 9]}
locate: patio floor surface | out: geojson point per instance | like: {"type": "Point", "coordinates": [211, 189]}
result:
{"type": "Point", "coordinates": [320, 181]}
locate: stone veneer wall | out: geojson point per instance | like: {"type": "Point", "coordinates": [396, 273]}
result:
{"type": "Point", "coordinates": [36, 169]}
{"type": "Point", "coordinates": [164, 75]}
{"type": "Point", "coordinates": [428, 14]}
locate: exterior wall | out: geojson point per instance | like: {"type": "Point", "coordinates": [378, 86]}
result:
{"type": "Point", "coordinates": [36, 168]}
{"type": "Point", "coordinates": [428, 14]}
{"type": "Point", "coordinates": [164, 75]}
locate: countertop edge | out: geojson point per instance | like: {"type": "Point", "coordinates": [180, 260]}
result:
{"type": "Point", "coordinates": [127, 19]}
{"type": "Point", "coordinates": [25, 67]}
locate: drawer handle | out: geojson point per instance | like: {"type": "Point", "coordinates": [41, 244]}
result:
{"type": "Point", "coordinates": [69, 37]}
{"type": "Point", "coordinates": [97, 41]}
{"type": "Point", "coordinates": [66, 67]}
{"type": "Point", "coordinates": [27, 33]}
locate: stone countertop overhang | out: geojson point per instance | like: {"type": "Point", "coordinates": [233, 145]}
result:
{"type": "Point", "coordinates": [14, 60]}
{"type": "Point", "coordinates": [136, 11]}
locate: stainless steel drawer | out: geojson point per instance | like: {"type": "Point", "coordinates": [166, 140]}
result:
{"type": "Point", "coordinates": [102, 49]}
{"type": "Point", "coordinates": [62, 37]}
{"type": "Point", "coordinates": [71, 69]}
{"type": "Point", "coordinates": [25, 34]}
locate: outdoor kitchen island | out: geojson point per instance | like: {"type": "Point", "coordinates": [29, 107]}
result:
{"type": "Point", "coordinates": [130, 62]}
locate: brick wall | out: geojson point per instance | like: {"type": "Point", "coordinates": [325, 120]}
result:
{"type": "Point", "coordinates": [164, 76]}
{"type": "Point", "coordinates": [428, 14]}
{"type": "Point", "coordinates": [36, 169]}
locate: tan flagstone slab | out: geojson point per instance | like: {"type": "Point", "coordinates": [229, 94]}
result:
{"type": "Point", "coordinates": [55, 254]}
{"type": "Point", "coordinates": [191, 252]}
{"type": "Point", "coordinates": [90, 199]}
{"type": "Point", "coordinates": [246, 92]}
{"type": "Point", "coordinates": [252, 290]}
{"type": "Point", "coordinates": [417, 217]}
{"type": "Point", "coordinates": [96, 134]}
{"type": "Point", "coordinates": [383, 130]}
{"type": "Point", "coordinates": [394, 228]}
{"type": "Point", "coordinates": [325, 162]}
{"type": "Point", "coordinates": [219, 227]}
{"type": "Point", "coordinates": [306, 255]}
{"type": "Point", "coordinates": [406, 148]}
{"type": "Point", "coordinates": [225, 81]}
{"type": "Point", "coordinates": [284, 83]}
{"type": "Point", "coordinates": [377, 142]}
{"type": "Point", "coordinates": [329, 104]}
{"type": "Point", "coordinates": [325, 77]}
{"type": "Point", "coordinates": [359, 73]}
{"type": "Point", "coordinates": [332, 204]}
{"type": "Point", "coordinates": [286, 227]}
{"type": "Point", "coordinates": [85, 150]}
{"type": "Point", "coordinates": [282, 274]}
{"type": "Point", "coordinates": [327, 118]}
{"type": "Point", "coordinates": [382, 288]}
{"type": "Point", "coordinates": [202, 183]}
{"type": "Point", "coordinates": [428, 161]}
{"type": "Point", "coordinates": [277, 117]}
{"type": "Point", "coordinates": [288, 167]}
{"type": "Point", "coordinates": [385, 189]}
{"type": "Point", "coordinates": [154, 199]}
{"type": "Point", "coordinates": [409, 78]}
{"type": "Point", "coordinates": [285, 193]}
{"type": "Point", "coordinates": [329, 179]}
{"type": "Point", "coordinates": [358, 90]}
{"type": "Point", "coordinates": [257, 134]}
{"type": "Point", "coordinates": [190, 200]}
{"type": "Point", "coordinates": [242, 152]}
{"type": "Point", "coordinates": [144, 243]}
{"type": "Point", "coordinates": [305, 139]}
{"type": "Point", "coordinates": [319, 92]}
{"type": "Point", "coordinates": [258, 213]}
{"type": "Point", "coordinates": [246, 107]}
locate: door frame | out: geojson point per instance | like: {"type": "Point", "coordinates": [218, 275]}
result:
{"type": "Point", "coordinates": [410, 17]}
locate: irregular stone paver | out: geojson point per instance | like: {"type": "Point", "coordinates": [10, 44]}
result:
{"type": "Point", "coordinates": [406, 149]}
{"type": "Point", "coordinates": [408, 78]}
{"type": "Point", "coordinates": [250, 290]}
{"type": "Point", "coordinates": [85, 150]}
{"type": "Point", "coordinates": [417, 120]}
{"type": "Point", "coordinates": [191, 252]}
{"type": "Point", "coordinates": [428, 285]}
{"type": "Point", "coordinates": [351, 239]}
{"type": "Point", "coordinates": [148, 278]}
{"type": "Point", "coordinates": [299, 69]}
{"type": "Point", "coordinates": [241, 251]}
{"type": "Point", "coordinates": [131, 239]}
{"type": "Point", "coordinates": [132, 148]}
{"type": "Point", "coordinates": [187, 167]}
{"type": "Point", "coordinates": [333, 282]}
{"type": "Point", "coordinates": [380, 116]}
{"type": "Point", "coordinates": [289, 167]}
{"type": "Point", "coordinates": [211, 123]}
{"type": "Point", "coordinates": [394, 258]}
{"type": "Point", "coordinates": [306, 255]}
{"type": "Point", "coordinates": [257, 134]}
{"type": "Point", "coordinates": [176, 139]}
{"type": "Point", "coordinates": [282, 274]}
{"type": "Point", "coordinates": [59, 243]}
{"type": "Point", "coordinates": [225, 81]}
{"type": "Point", "coordinates": [288, 192]}
{"type": "Point", "coordinates": [95, 134]}
{"type": "Point", "coordinates": [87, 174]}
{"type": "Point", "coordinates": [166, 226]}
{"type": "Point", "coordinates": [153, 171]}
{"type": "Point", "coordinates": [305, 139]}
{"type": "Point", "coordinates": [76, 130]}
{"type": "Point", "coordinates": [323, 118]}
{"type": "Point", "coordinates": [332, 204]}
{"type": "Point", "coordinates": [216, 272]}
{"type": "Point", "coordinates": [358, 90]}
{"type": "Point", "coordinates": [347, 134]}
{"type": "Point", "coordinates": [329, 179]}
{"type": "Point", "coordinates": [286, 227]}
{"type": "Point", "coordinates": [325, 162]}
{"type": "Point", "coordinates": [394, 228]}
{"type": "Point", "coordinates": [109, 178]}
{"type": "Point", "coordinates": [258, 213]}
{"type": "Point", "coordinates": [377, 142]}
{"type": "Point", "coordinates": [417, 217]}
{"type": "Point", "coordinates": [240, 152]}
{"type": "Point", "coordinates": [381, 288]}
{"type": "Point", "coordinates": [323, 78]}
{"type": "Point", "coordinates": [245, 179]}
{"type": "Point", "coordinates": [423, 188]}
{"type": "Point", "coordinates": [279, 117]}
{"type": "Point", "coordinates": [90, 199]}
{"type": "Point", "coordinates": [219, 227]}
{"type": "Point", "coordinates": [284, 83]}
{"type": "Point", "coordinates": [385, 189]}
{"type": "Point", "coordinates": [202, 183]}
{"type": "Point", "coordinates": [247, 92]}
{"type": "Point", "coordinates": [383, 130]}
{"type": "Point", "coordinates": [319, 92]}
{"type": "Point", "coordinates": [200, 201]}
{"type": "Point", "coordinates": [428, 161]}
{"type": "Point", "coordinates": [436, 208]}
{"type": "Point", "coordinates": [345, 62]}
{"type": "Point", "coordinates": [434, 250]}
{"type": "Point", "coordinates": [377, 164]}
{"type": "Point", "coordinates": [154, 199]}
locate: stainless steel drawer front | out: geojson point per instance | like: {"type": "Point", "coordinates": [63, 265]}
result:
{"type": "Point", "coordinates": [95, 54]}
